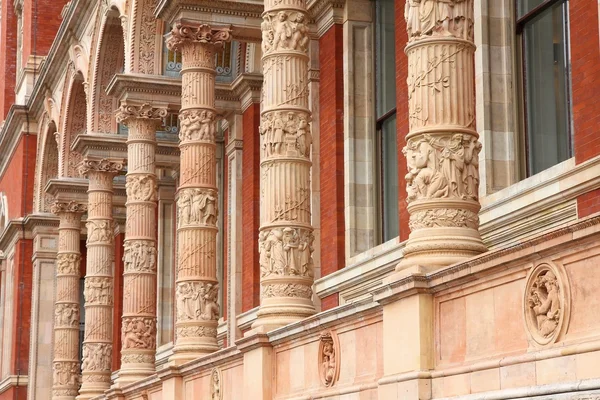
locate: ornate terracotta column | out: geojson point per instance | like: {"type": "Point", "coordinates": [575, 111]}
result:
{"type": "Point", "coordinates": [98, 291]}
{"type": "Point", "coordinates": [197, 288]}
{"type": "Point", "coordinates": [442, 148]}
{"type": "Point", "coordinates": [138, 329]}
{"type": "Point", "coordinates": [286, 234]}
{"type": "Point", "coordinates": [65, 364]}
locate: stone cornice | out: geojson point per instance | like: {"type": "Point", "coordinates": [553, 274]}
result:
{"type": "Point", "coordinates": [247, 87]}
{"type": "Point", "coordinates": [245, 15]}
{"type": "Point", "coordinates": [99, 145]}
{"type": "Point", "coordinates": [68, 189]}
{"type": "Point", "coordinates": [10, 133]}
{"type": "Point", "coordinates": [12, 381]}
{"type": "Point", "coordinates": [23, 228]}
{"type": "Point", "coordinates": [137, 89]}
{"type": "Point", "coordinates": [402, 285]}
{"type": "Point", "coordinates": [325, 13]}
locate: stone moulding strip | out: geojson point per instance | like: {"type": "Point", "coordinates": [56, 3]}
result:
{"type": "Point", "coordinates": [13, 381]}
{"type": "Point", "coordinates": [455, 274]}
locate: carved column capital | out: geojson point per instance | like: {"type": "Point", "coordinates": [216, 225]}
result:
{"type": "Point", "coordinates": [145, 111]}
{"type": "Point", "coordinates": [60, 207]}
{"type": "Point", "coordinates": [186, 32]}
{"type": "Point", "coordinates": [103, 165]}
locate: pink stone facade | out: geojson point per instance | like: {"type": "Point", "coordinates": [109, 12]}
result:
{"type": "Point", "coordinates": [194, 196]}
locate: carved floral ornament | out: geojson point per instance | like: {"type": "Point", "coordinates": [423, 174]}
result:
{"type": "Point", "coordinates": [184, 32]}
{"type": "Point", "coordinates": [442, 167]}
{"type": "Point", "coordinates": [68, 207]}
{"type": "Point", "coordinates": [102, 165]}
{"type": "Point", "coordinates": [546, 303]}
{"type": "Point", "coordinates": [216, 392]}
{"type": "Point", "coordinates": [439, 18]}
{"type": "Point", "coordinates": [329, 358]}
{"type": "Point", "coordinates": [145, 111]}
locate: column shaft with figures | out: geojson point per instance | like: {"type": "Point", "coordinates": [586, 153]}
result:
{"type": "Point", "coordinates": [98, 290]}
{"type": "Point", "coordinates": [286, 233]}
{"type": "Point", "coordinates": [65, 364]}
{"type": "Point", "coordinates": [442, 148]}
{"type": "Point", "coordinates": [197, 309]}
{"type": "Point", "coordinates": [138, 337]}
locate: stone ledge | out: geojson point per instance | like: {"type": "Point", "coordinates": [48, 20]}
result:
{"type": "Point", "coordinates": [13, 381]}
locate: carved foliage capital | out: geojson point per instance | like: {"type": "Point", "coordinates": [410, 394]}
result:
{"type": "Point", "coordinates": [103, 165]}
{"type": "Point", "coordinates": [189, 33]}
{"type": "Point", "coordinates": [145, 111]}
{"type": "Point", "coordinates": [68, 207]}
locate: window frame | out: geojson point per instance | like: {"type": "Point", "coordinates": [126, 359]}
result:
{"type": "Point", "coordinates": [521, 80]}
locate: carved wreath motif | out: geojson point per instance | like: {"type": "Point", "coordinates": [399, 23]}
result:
{"type": "Point", "coordinates": [329, 358]}
{"type": "Point", "coordinates": [546, 304]}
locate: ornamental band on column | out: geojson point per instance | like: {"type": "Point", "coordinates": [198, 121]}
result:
{"type": "Point", "coordinates": [65, 364]}
{"type": "Point", "coordinates": [197, 289]}
{"type": "Point", "coordinates": [286, 234]}
{"type": "Point", "coordinates": [442, 149]}
{"type": "Point", "coordinates": [138, 329]}
{"type": "Point", "coordinates": [98, 291]}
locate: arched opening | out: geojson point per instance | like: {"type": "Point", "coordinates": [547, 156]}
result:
{"type": "Point", "coordinates": [110, 60]}
{"type": "Point", "coordinates": [49, 166]}
{"type": "Point", "coordinates": [75, 125]}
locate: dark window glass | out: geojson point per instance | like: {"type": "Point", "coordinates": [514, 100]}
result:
{"type": "Point", "coordinates": [385, 106]}
{"type": "Point", "coordinates": [543, 26]}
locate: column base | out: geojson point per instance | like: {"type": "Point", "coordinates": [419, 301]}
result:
{"type": "Point", "coordinates": [270, 317]}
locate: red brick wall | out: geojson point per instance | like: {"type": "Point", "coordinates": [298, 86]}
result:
{"type": "Point", "coordinates": [401, 115]}
{"type": "Point", "coordinates": [18, 178]}
{"type": "Point", "coordinates": [8, 57]}
{"type": "Point", "coordinates": [331, 125]}
{"type": "Point", "coordinates": [41, 19]}
{"type": "Point", "coordinates": [21, 322]}
{"type": "Point", "coordinates": [585, 80]}
{"type": "Point", "coordinates": [250, 208]}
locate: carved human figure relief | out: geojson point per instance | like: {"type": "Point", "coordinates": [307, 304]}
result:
{"type": "Point", "coordinates": [197, 125]}
{"type": "Point", "coordinates": [546, 303]}
{"type": "Point", "coordinates": [215, 385]}
{"type": "Point", "coordinates": [197, 206]}
{"type": "Point", "coordinates": [139, 256]}
{"type": "Point", "coordinates": [286, 251]}
{"type": "Point", "coordinates": [444, 18]}
{"type": "Point", "coordinates": [98, 290]}
{"type": "Point", "coordinates": [65, 373]}
{"type": "Point", "coordinates": [96, 356]}
{"type": "Point", "coordinates": [68, 263]}
{"type": "Point", "coordinates": [197, 301]}
{"type": "Point", "coordinates": [99, 232]}
{"type": "Point", "coordinates": [442, 167]}
{"type": "Point", "coordinates": [138, 333]}
{"type": "Point", "coordinates": [329, 358]}
{"type": "Point", "coordinates": [141, 187]}
{"type": "Point", "coordinates": [66, 315]}
{"type": "Point", "coordinates": [285, 134]}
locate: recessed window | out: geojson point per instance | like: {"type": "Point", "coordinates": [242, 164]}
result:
{"type": "Point", "coordinates": [385, 106]}
{"type": "Point", "coordinates": [542, 27]}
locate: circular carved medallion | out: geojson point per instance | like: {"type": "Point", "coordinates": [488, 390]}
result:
{"type": "Point", "coordinates": [546, 304]}
{"type": "Point", "coordinates": [329, 358]}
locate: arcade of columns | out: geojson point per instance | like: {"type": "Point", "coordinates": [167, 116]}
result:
{"type": "Point", "coordinates": [442, 184]}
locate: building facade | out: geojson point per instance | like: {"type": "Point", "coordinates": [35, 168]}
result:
{"type": "Point", "coordinates": [299, 199]}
